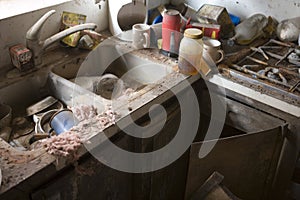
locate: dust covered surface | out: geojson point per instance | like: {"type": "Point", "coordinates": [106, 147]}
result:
{"type": "Point", "coordinates": [263, 90]}
{"type": "Point", "coordinates": [18, 165]}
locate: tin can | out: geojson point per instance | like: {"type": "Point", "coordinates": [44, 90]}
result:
{"type": "Point", "coordinates": [21, 57]}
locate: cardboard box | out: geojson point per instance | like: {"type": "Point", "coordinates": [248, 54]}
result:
{"type": "Point", "coordinates": [209, 30]}
{"type": "Point", "coordinates": [68, 20]}
{"type": "Point", "coordinates": [212, 14]}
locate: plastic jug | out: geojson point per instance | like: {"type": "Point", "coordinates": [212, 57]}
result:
{"type": "Point", "coordinates": [249, 29]}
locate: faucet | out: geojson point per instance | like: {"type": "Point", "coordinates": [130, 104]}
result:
{"type": "Point", "coordinates": [33, 34]}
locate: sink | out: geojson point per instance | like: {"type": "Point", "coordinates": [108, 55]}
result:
{"type": "Point", "coordinates": [32, 89]}
{"type": "Point", "coordinates": [72, 82]}
{"type": "Point", "coordinates": [133, 71]}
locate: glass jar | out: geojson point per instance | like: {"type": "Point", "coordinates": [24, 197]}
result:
{"type": "Point", "coordinates": [190, 51]}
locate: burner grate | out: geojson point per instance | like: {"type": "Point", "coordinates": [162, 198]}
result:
{"type": "Point", "coordinates": [271, 63]}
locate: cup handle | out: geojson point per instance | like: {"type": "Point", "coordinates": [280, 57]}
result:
{"type": "Point", "coordinates": [147, 39]}
{"type": "Point", "coordinates": [221, 52]}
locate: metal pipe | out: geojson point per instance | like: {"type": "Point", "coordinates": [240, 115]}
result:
{"type": "Point", "coordinates": [33, 35]}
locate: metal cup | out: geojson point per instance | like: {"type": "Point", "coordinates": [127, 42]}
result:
{"type": "Point", "coordinates": [63, 120]}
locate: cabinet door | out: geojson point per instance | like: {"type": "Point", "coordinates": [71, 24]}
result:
{"type": "Point", "coordinates": [89, 179]}
{"type": "Point", "coordinates": [62, 188]}
{"type": "Point", "coordinates": [247, 153]}
{"type": "Point", "coordinates": [248, 163]}
{"type": "Point", "coordinates": [169, 182]}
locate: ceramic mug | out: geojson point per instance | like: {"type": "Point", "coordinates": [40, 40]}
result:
{"type": "Point", "coordinates": [212, 50]}
{"type": "Point", "coordinates": [141, 36]}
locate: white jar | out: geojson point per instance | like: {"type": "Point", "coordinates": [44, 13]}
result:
{"type": "Point", "coordinates": [190, 51]}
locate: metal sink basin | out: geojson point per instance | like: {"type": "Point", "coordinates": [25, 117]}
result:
{"type": "Point", "coordinates": [134, 72]}
{"type": "Point", "coordinates": [73, 82]}
{"type": "Point", "coordinates": [27, 92]}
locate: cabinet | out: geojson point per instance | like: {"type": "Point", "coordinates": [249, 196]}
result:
{"type": "Point", "coordinates": [247, 154]}
{"type": "Point", "coordinates": [90, 179]}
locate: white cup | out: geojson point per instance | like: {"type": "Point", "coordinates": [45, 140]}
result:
{"type": "Point", "coordinates": [141, 36]}
{"type": "Point", "coordinates": [212, 50]}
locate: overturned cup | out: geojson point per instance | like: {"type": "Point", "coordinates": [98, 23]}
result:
{"type": "Point", "coordinates": [63, 120]}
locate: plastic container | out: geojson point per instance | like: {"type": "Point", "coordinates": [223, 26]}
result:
{"type": "Point", "coordinates": [63, 121]}
{"type": "Point", "coordinates": [288, 30]}
{"type": "Point", "coordinates": [171, 25]}
{"type": "Point", "coordinates": [249, 29]}
{"type": "Point", "coordinates": [235, 19]}
{"type": "Point", "coordinates": [190, 51]}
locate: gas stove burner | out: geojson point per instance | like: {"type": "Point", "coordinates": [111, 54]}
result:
{"type": "Point", "coordinates": [273, 73]}
{"type": "Point", "coordinates": [294, 58]}
{"type": "Point", "coordinates": [271, 68]}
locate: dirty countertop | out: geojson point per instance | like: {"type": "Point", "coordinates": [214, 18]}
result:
{"type": "Point", "coordinates": [18, 167]}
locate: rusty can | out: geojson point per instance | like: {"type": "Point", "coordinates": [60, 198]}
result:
{"type": "Point", "coordinates": [21, 57]}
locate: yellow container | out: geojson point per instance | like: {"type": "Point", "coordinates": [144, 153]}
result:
{"type": "Point", "coordinates": [68, 20]}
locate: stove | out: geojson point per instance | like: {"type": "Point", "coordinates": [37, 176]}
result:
{"type": "Point", "coordinates": [272, 69]}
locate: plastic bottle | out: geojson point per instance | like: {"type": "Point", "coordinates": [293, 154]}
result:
{"type": "Point", "coordinates": [249, 29]}
{"type": "Point", "coordinates": [190, 51]}
{"type": "Point", "coordinates": [288, 30]}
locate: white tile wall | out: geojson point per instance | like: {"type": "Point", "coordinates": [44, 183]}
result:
{"type": "Point", "coordinates": [279, 9]}
{"type": "Point", "coordinates": [13, 29]}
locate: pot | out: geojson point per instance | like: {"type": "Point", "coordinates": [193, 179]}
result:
{"type": "Point", "coordinates": [130, 14]}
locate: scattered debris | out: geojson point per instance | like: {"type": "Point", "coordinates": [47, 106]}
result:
{"type": "Point", "coordinates": [65, 144]}
{"type": "Point", "coordinates": [84, 112]}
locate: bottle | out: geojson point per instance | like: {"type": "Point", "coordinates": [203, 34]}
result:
{"type": "Point", "coordinates": [249, 29]}
{"type": "Point", "coordinates": [190, 51]}
{"type": "Point", "coordinates": [288, 30]}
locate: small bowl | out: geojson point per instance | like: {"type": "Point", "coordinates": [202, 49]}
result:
{"type": "Point", "coordinates": [109, 86]}
{"type": "Point", "coordinates": [5, 115]}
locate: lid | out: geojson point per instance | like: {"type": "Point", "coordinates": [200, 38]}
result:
{"type": "Point", "coordinates": [172, 12]}
{"type": "Point", "coordinates": [193, 33]}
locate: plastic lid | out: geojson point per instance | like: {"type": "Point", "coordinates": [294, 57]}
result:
{"type": "Point", "coordinates": [193, 33]}
{"type": "Point", "coordinates": [172, 12]}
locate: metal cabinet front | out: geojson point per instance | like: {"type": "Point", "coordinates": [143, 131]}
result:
{"type": "Point", "coordinates": [247, 154]}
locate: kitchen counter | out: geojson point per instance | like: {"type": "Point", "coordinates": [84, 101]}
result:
{"type": "Point", "coordinates": [24, 171]}
{"type": "Point", "coordinates": [23, 168]}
